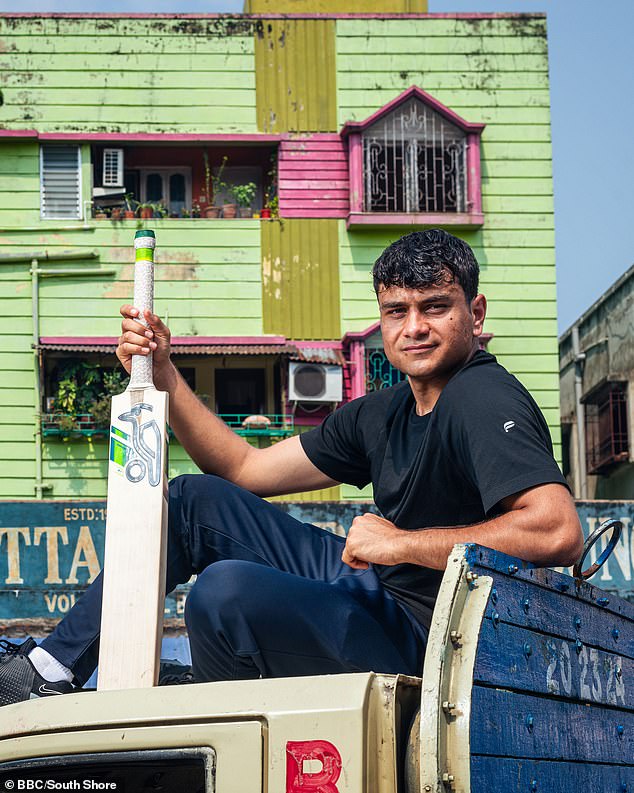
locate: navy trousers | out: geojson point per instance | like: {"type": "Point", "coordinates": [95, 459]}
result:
{"type": "Point", "coordinates": [272, 597]}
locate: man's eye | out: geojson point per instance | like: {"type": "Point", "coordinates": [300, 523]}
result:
{"type": "Point", "coordinates": [437, 307]}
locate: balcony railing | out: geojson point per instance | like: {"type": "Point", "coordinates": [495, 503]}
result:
{"type": "Point", "coordinates": [271, 425]}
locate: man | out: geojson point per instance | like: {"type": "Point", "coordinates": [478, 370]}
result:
{"type": "Point", "coordinates": [458, 453]}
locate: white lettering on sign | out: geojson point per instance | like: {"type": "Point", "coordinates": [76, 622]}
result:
{"type": "Point", "coordinates": [53, 535]}
{"type": "Point", "coordinates": [590, 675]}
{"type": "Point", "coordinates": [13, 535]}
{"type": "Point", "coordinates": [60, 602]}
{"type": "Point", "coordinates": [85, 556]}
{"type": "Point", "coordinates": [84, 513]}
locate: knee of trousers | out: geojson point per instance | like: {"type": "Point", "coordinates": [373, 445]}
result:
{"type": "Point", "coordinates": [190, 487]}
{"type": "Point", "coordinates": [224, 594]}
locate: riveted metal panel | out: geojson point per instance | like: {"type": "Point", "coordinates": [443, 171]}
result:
{"type": "Point", "coordinates": [300, 278]}
{"type": "Point", "coordinates": [295, 75]}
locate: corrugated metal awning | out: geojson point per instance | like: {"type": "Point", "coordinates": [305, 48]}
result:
{"type": "Point", "coordinates": [185, 349]}
{"type": "Point", "coordinates": [328, 355]}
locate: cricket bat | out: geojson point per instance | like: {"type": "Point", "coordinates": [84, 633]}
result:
{"type": "Point", "coordinates": [136, 518]}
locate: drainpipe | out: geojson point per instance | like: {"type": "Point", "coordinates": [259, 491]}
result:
{"type": "Point", "coordinates": [35, 271]}
{"type": "Point", "coordinates": [579, 361]}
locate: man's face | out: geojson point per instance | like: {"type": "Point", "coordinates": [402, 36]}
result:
{"type": "Point", "coordinates": [429, 333]}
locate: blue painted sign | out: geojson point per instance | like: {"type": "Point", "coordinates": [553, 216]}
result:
{"type": "Point", "coordinates": [50, 550]}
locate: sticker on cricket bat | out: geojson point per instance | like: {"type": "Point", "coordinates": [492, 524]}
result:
{"type": "Point", "coordinates": [138, 454]}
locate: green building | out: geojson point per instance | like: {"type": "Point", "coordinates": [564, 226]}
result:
{"type": "Point", "coordinates": [347, 130]}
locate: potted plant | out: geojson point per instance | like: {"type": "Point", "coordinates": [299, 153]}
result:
{"type": "Point", "coordinates": [101, 213]}
{"type": "Point", "coordinates": [129, 206]}
{"type": "Point", "coordinates": [195, 210]}
{"type": "Point", "coordinates": [149, 209]}
{"type": "Point", "coordinates": [214, 184]}
{"type": "Point", "coordinates": [244, 195]}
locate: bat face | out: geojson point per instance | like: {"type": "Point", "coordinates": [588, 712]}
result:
{"type": "Point", "coordinates": [136, 526]}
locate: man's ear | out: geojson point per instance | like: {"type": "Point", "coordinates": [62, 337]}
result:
{"type": "Point", "coordinates": [478, 312]}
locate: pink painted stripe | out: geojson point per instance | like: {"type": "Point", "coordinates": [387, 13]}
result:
{"type": "Point", "coordinates": [361, 335]}
{"type": "Point", "coordinates": [18, 133]}
{"type": "Point", "coordinates": [436, 15]}
{"type": "Point", "coordinates": [326, 155]}
{"type": "Point", "coordinates": [325, 165]}
{"type": "Point", "coordinates": [316, 345]}
{"type": "Point", "coordinates": [309, 183]}
{"type": "Point", "coordinates": [163, 136]}
{"type": "Point", "coordinates": [464, 219]}
{"type": "Point", "coordinates": [337, 214]}
{"type": "Point", "coordinates": [313, 194]}
{"type": "Point", "coordinates": [176, 340]}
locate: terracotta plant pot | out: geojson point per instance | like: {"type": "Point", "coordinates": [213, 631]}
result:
{"type": "Point", "coordinates": [229, 210]}
{"type": "Point", "coordinates": [129, 213]}
{"type": "Point", "coordinates": [146, 213]}
{"type": "Point", "coordinates": [101, 216]}
{"type": "Point", "coordinates": [116, 214]}
{"type": "Point", "coordinates": [212, 212]}
{"type": "Point", "coordinates": [265, 213]}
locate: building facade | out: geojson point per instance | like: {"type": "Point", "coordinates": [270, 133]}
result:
{"type": "Point", "coordinates": [596, 359]}
{"type": "Point", "coordinates": [336, 133]}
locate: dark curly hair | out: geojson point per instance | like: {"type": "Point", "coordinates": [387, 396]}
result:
{"type": "Point", "coordinates": [427, 258]}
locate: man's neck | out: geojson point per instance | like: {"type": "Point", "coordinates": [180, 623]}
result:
{"type": "Point", "coordinates": [426, 391]}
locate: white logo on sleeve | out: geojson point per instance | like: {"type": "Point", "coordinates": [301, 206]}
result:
{"type": "Point", "coordinates": [508, 425]}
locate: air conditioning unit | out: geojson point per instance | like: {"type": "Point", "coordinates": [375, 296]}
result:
{"type": "Point", "coordinates": [314, 382]}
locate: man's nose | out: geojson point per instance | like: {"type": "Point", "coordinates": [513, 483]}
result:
{"type": "Point", "coordinates": [416, 324]}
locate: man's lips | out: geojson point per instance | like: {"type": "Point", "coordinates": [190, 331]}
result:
{"type": "Point", "coordinates": [420, 347]}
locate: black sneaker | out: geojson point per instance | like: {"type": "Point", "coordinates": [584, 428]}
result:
{"type": "Point", "coordinates": [19, 679]}
{"type": "Point", "coordinates": [173, 673]}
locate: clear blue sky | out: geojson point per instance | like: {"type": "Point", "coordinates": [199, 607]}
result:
{"type": "Point", "coordinates": [592, 77]}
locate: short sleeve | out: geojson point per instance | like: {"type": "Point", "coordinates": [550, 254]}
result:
{"type": "Point", "coordinates": [501, 441]}
{"type": "Point", "coordinates": [336, 446]}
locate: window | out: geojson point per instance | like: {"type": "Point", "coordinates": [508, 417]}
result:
{"type": "Point", "coordinates": [239, 392]}
{"type": "Point", "coordinates": [607, 442]}
{"type": "Point", "coordinates": [414, 161]}
{"type": "Point", "coordinates": [60, 182]}
{"type": "Point", "coordinates": [168, 186]}
{"type": "Point", "coordinates": [113, 167]}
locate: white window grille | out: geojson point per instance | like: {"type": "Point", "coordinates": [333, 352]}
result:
{"type": "Point", "coordinates": [112, 168]}
{"type": "Point", "coordinates": [414, 160]}
{"type": "Point", "coordinates": [60, 182]}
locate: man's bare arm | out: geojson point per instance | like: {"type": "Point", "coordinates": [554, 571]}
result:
{"type": "Point", "coordinates": [279, 469]}
{"type": "Point", "coordinates": [539, 525]}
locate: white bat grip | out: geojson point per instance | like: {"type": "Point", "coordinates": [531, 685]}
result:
{"type": "Point", "coordinates": [141, 375]}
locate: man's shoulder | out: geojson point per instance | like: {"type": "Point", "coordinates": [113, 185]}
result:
{"type": "Point", "coordinates": [484, 389]}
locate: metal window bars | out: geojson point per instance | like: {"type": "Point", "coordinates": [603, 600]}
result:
{"type": "Point", "coordinates": [607, 442]}
{"type": "Point", "coordinates": [379, 372]}
{"type": "Point", "coordinates": [414, 161]}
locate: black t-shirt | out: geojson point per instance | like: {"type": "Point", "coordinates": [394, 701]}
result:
{"type": "Point", "coordinates": [484, 440]}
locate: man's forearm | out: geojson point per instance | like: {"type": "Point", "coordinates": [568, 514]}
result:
{"type": "Point", "coordinates": [539, 525]}
{"type": "Point", "coordinates": [209, 442]}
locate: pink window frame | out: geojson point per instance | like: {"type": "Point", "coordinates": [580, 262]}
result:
{"type": "Point", "coordinates": [353, 130]}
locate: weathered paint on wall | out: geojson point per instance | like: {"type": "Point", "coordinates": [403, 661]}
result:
{"type": "Point", "coordinates": [300, 279]}
{"type": "Point", "coordinates": [128, 75]}
{"type": "Point", "coordinates": [295, 73]}
{"type": "Point", "coordinates": [491, 71]}
{"type": "Point", "coordinates": [50, 550]}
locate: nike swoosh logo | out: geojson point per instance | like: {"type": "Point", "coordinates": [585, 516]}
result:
{"type": "Point", "coordinates": [43, 690]}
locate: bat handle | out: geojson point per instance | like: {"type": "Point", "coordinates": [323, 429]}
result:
{"type": "Point", "coordinates": [144, 244]}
